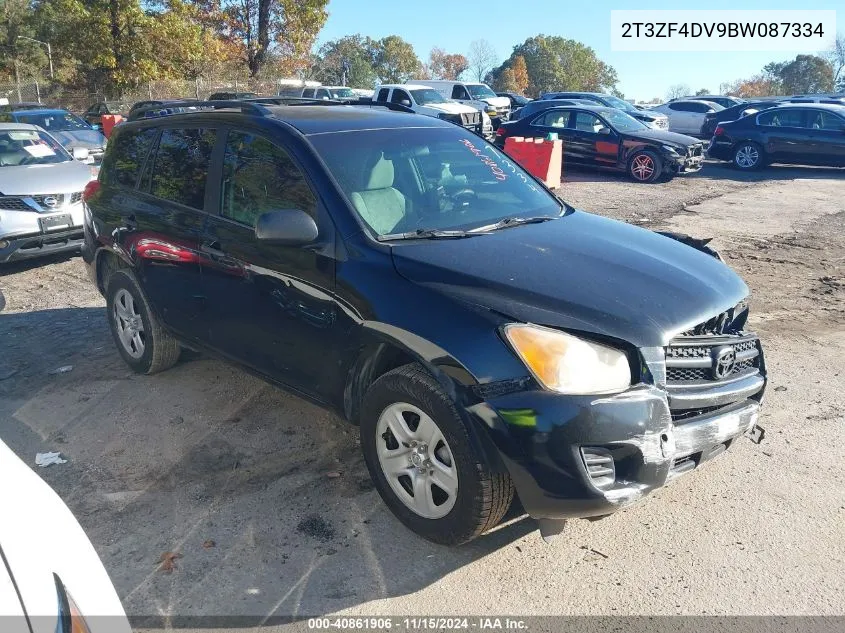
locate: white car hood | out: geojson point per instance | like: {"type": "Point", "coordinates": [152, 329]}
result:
{"type": "Point", "coordinates": [29, 180]}
{"type": "Point", "coordinates": [499, 102]}
{"type": "Point", "coordinates": [41, 537]}
{"type": "Point", "coordinates": [450, 107]}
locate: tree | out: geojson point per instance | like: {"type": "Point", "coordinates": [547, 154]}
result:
{"type": "Point", "coordinates": [761, 85]}
{"type": "Point", "coordinates": [806, 74]}
{"type": "Point", "coordinates": [482, 58]}
{"type": "Point", "coordinates": [520, 74]}
{"type": "Point", "coordinates": [395, 60]}
{"type": "Point", "coordinates": [443, 65]}
{"type": "Point", "coordinates": [836, 57]}
{"type": "Point", "coordinates": [356, 53]}
{"type": "Point", "coordinates": [702, 91]}
{"type": "Point", "coordinates": [506, 81]}
{"type": "Point", "coordinates": [676, 91]}
{"type": "Point", "coordinates": [258, 27]}
{"type": "Point", "coordinates": [556, 63]}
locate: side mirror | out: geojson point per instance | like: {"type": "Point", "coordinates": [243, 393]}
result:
{"type": "Point", "coordinates": [604, 130]}
{"type": "Point", "coordinates": [287, 227]}
{"type": "Point", "coordinates": [405, 102]}
{"type": "Point", "coordinates": [80, 153]}
{"type": "Point", "coordinates": [95, 126]}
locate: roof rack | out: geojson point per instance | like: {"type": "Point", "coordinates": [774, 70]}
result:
{"type": "Point", "coordinates": [257, 105]}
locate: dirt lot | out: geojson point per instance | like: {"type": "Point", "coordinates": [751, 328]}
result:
{"type": "Point", "coordinates": [205, 452]}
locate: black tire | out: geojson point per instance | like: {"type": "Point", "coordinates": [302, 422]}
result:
{"type": "Point", "coordinates": [745, 153]}
{"type": "Point", "coordinates": [160, 350]}
{"type": "Point", "coordinates": [483, 496]}
{"type": "Point", "coordinates": [645, 166]}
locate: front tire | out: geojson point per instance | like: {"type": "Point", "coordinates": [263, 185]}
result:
{"type": "Point", "coordinates": [422, 462]}
{"type": "Point", "coordinates": [645, 166]}
{"type": "Point", "coordinates": [748, 156]}
{"type": "Point", "coordinates": [144, 345]}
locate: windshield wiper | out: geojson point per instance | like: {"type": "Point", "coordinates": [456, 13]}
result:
{"type": "Point", "coordinates": [505, 223]}
{"type": "Point", "coordinates": [425, 234]}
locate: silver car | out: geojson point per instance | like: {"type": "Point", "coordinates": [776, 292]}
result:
{"type": "Point", "coordinates": [40, 193]}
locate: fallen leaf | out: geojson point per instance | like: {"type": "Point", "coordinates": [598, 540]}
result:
{"type": "Point", "coordinates": [209, 544]}
{"type": "Point", "coordinates": [168, 561]}
{"type": "Point", "coordinates": [333, 474]}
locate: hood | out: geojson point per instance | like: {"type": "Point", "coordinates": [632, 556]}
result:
{"type": "Point", "coordinates": [663, 136]}
{"type": "Point", "coordinates": [450, 107]}
{"type": "Point", "coordinates": [90, 139]}
{"type": "Point", "coordinates": [641, 115]}
{"type": "Point", "coordinates": [23, 180]}
{"type": "Point", "coordinates": [580, 272]}
{"type": "Point", "coordinates": [499, 102]}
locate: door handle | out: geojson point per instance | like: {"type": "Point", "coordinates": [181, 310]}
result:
{"type": "Point", "coordinates": [212, 248]}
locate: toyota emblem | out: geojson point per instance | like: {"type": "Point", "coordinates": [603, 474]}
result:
{"type": "Point", "coordinates": [51, 201]}
{"type": "Point", "coordinates": [724, 360]}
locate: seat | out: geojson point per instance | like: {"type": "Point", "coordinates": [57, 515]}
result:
{"type": "Point", "coordinates": [380, 205]}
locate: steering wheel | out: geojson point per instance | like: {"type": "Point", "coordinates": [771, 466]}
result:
{"type": "Point", "coordinates": [464, 199]}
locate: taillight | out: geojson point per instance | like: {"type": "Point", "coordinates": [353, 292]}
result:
{"type": "Point", "coordinates": [91, 188]}
{"type": "Point", "coordinates": [719, 130]}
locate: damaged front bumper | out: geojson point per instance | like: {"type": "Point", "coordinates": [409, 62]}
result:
{"type": "Point", "coordinates": [589, 456]}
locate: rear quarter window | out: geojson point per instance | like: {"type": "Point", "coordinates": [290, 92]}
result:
{"type": "Point", "coordinates": [126, 156]}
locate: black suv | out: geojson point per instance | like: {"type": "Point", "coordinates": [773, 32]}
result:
{"type": "Point", "coordinates": [486, 337]}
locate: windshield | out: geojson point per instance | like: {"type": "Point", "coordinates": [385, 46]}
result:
{"type": "Point", "coordinates": [54, 121]}
{"type": "Point", "coordinates": [425, 96]}
{"type": "Point", "coordinates": [480, 91]}
{"type": "Point", "coordinates": [118, 107]}
{"type": "Point", "coordinates": [623, 122]}
{"type": "Point", "coordinates": [342, 93]}
{"type": "Point", "coordinates": [409, 179]}
{"type": "Point", "coordinates": [616, 102]}
{"type": "Point", "coordinates": [30, 147]}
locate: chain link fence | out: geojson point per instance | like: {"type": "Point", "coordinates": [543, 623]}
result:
{"type": "Point", "coordinates": [56, 95]}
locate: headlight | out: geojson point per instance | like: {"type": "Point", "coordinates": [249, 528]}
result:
{"type": "Point", "coordinates": [671, 150]}
{"type": "Point", "coordinates": [567, 364]}
{"type": "Point", "coordinates": [490, 110]}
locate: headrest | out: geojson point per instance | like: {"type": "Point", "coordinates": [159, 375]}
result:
{"type": "Point", "coordinates": [381, 175]}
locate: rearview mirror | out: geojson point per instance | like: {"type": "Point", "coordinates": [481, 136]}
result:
{"type": "Point", "coordinates": [80, 153]}
{"type": "Point", "coordinates": [604, 130]}
{"type": "Point", "coordinates": [287, 227]}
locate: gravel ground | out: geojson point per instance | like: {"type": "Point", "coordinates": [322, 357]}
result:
{"type": "Point", "coordinates": [205, 452]}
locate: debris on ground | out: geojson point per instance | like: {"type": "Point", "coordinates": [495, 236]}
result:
{"type": "Point", "coordinates": [590, 550]}
{"type": "Point", "coordinates": [317, 527]}
{"type": "Point", "coordinates": [209, 544]}
{"type": "Point", "coordinates": [168, 561]}
{"type": "Point", "coordinates": [61, 370]}
{"type": "Point", "coordinates": [780, 388]}
{"type": "Point", "coordinates": [48, 459]}
{"type": "Point", "coordinates": [333, 474]}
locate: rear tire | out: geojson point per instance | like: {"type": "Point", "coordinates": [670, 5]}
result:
{"type": "Point", "coordinates": [144, 345]}
{"type": "Point", "coordinates": [645, 166]}
{"type": "Point", "coordinates": [410, 428]}
{"type": "Point", "coordinates": [748, 156]}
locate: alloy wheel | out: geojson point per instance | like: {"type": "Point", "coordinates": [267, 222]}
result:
{"type": "Point", "coordinates": [642, 167]}
{"type": "Point", "coordinates": [747, 156]}
{"type": "Point", "coordinates": [130, 325]}
{"type": "Point", "coordinates": [416, 460]}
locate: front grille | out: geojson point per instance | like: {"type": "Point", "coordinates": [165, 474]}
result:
{"type": "Point", "coordinates": [10, 203]}
{"type": "Point", "coordinates": [695, 150]}
{"type": "Point", "coordinates": [20, 203]}
{"type": "Point", "coordinates": [76, 197]}
{"type": "Point", "coordinates": [471, 118]}
{"type": "Point", "coordinates": [699, 361]}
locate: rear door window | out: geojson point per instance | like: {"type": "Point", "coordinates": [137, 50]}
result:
{"type": "Point", "coordinates": [308, 93]}
{"type": "Point", "coordinates": [259, 176]}
{"type": "Point", "coordinates": [680, 107]}
{"type": "Point", "coordinates": [181, 165]}
{"type": "Point", "coordinates": [553, 118]}
{"type": "Point", "coordinates": [382, 94]}
{"type": "Point", "coordinates": [587, 122]}
{"type": "Point", "coordinates": [782, 118]}
{"type": "Point", "coordinates": [127, 156]}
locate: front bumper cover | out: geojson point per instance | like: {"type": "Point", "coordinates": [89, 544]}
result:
{"type": "Point", "coordinates": [540, 436]}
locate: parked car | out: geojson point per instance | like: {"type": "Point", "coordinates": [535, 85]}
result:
{"type": "Point", "coordinates": [336, 93]}
{"type": "Point", "coordinates": [654, 120]}
{"type": "Point", "coordinates": [41, 199]}
{"type": "Point", "coordinates": [293, 87]}
{"type": "Point", "coordinates": [831, 100]}
{"type": "Point", "coordinates": [607, 138]}
{"type": "Point", "coordinates": [517, 100]}
{"type": "Point", "coordinates": [70, 130]}
{"type": "Point", "coordinates": [687, 117]}
{"type": "Point", "coordinates": [231, 96]}
{"type": "Point", "coordinates": [23, 105]}
{"type": "Point", "coordinates": [425, 100]}
{"type": "Point", "coordinates": [539, 105]}
{"type": "Point", "coordinates": [51, 578]}
{"type": "Point", "coordinates": [475, 94]}
{"type": "Point", "coordinates": [712, 119]}
{"type": "Point", "coordinates": [94, 114]}
{"type": "Point", "coordinates": [790, 133]}
{"type": "Point", "coordinates": [156, 108]}
{"type": "Point", "coordinates": [723, 100]}
{"type": "Point", "coordinates": [484, 335]}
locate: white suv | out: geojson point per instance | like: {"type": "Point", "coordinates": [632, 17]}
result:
{"type": "Point", "coordinates": [475, 94]}
{"type": "Point", "coordinates": [423, 99]}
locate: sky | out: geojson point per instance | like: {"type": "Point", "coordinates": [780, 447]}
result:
{"type": "Point", "coordinates": [452, 25]}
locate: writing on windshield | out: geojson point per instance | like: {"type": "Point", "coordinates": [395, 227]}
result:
{"type": "Point", "coordinates": [498, 173]}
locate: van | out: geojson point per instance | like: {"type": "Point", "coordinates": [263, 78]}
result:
{"type": "Point", "coordinates": [294, 87]}
{"type": "Point", "coordinates": [423, 99]}
{"type": "Point", "coordinates": [475, 94]}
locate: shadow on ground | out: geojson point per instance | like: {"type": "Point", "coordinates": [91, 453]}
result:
{"type": "Point", "coordinates": [264, 497]}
